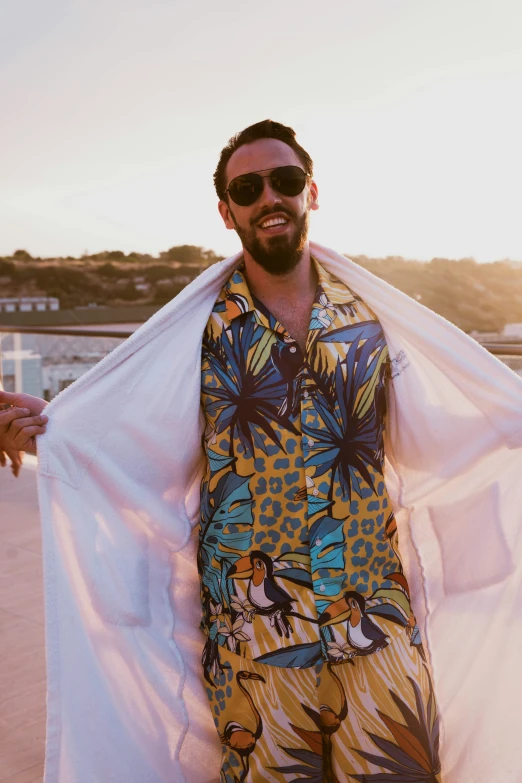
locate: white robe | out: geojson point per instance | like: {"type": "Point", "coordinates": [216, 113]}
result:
{"type": "Point", "coordinates": [119, 472]}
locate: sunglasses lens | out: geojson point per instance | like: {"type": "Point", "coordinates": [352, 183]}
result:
{"type": "Point", "coordinates": [245, 190]}
{"type": "Point", "coordinates": [288, 180]}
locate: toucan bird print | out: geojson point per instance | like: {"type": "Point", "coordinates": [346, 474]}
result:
{"type": "Point", "coordinates": [263, 592]}
{"type": "Point", "coordinates": [362, 634]}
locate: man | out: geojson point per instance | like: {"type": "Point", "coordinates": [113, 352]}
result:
{"type": "Point", "coordinates": [313, 663]}
{"type": "Point", "coordinates": [302, 583]}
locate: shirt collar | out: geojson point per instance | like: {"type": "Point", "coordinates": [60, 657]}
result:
{"type": "Point", "coordinates": [239, 300]}
{"type": "Point", "coordinates": [336, 292]}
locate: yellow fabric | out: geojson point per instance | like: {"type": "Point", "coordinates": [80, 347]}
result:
{"type": "Point", "coordinates": [333, 723]}
{"type": "Point", "coordinates": [298, 554]}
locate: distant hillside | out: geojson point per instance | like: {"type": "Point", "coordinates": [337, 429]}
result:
{"type": "Point", "coordinates": [473, 296]}
{"type": "Point", "coordinates": [108, 278]}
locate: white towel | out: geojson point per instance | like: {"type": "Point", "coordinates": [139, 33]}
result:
{"type": "Point", "coordinates": [119, 471]}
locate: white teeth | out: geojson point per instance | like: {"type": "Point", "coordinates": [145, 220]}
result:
{"type": "Point", "coordinates": [274, 222]}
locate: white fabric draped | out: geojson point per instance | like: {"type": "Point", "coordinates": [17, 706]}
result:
{"type": "Point", "coordinates": [119, 471]}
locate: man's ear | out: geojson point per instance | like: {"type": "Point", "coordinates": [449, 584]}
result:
{"type": "Point", "coordinates": [224, 211]}
{"type": "Point", "coordinates": [313, 195]}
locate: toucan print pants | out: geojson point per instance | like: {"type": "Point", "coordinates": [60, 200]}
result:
{"type": "Point", "coordinates": [367, 718]}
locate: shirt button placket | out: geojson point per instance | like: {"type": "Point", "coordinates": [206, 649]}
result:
{"type": "Point", "coordinates": [307, 445]}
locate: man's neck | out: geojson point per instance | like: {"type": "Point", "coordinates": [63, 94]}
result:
{"type": "Point", "coordinates": [288, 297]}
{"type": "Point", "coordinates": [297, 285]}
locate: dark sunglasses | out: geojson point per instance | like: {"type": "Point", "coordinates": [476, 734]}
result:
{"type": "Point", "coordinates": [287, 180]}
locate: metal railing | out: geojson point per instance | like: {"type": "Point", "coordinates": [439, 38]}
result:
{"type": "Point", "coordinates": [496, 348]}
{"type": "Point", "coordinates": [42, 360]}
{"type": "Point", "coordinates": [503, 349]}
{"type": "Point", "coordinates": [67, 331]}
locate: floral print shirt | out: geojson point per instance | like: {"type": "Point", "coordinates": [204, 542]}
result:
{"type": "Point", "coordinates": [297, 544]}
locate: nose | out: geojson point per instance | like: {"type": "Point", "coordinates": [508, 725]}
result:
{"type": "Point", "coordinates": [269, 196]}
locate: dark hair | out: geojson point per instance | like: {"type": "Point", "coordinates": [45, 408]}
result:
{"type": "Point", "coordinates": [266, 129]}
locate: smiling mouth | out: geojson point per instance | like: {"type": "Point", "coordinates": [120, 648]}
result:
{"type": "Point", "coordinates": [274, 225]}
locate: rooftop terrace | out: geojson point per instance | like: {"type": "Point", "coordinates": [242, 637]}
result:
{"type": "Point", "coordinates": [22, 673]}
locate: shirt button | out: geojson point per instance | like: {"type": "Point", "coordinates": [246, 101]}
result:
{"type": "Point", "coordinates": [315, 491]}
{"type": "Point", "coordinates": [305, 394]}
{"type": "Point", "coordinates": [293, 349]}
{"type": "Point", "coordinates": [322, 588]}
{"type": "Point", "coordinates": [318, 542]}
{"type": "Point", "coordinates": [310, 443]}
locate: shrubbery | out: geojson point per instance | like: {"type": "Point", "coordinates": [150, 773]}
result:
{"type": "Point", "coordinates": [474, 296]}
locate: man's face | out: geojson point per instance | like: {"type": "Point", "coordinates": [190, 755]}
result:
{"type": "Point", "coordinates": [278, 249]}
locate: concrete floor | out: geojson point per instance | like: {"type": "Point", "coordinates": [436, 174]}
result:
{"type": "Point", "coordinates": [22, 656]}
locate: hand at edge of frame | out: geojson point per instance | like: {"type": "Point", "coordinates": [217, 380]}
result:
{"type": "Point", "coordinates": [16, 458]}
{"type": "Point", "coordinates": [34, 405]}
{"type": "Point", "coordinates": [19, 426]}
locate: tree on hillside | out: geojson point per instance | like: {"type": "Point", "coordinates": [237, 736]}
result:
{"type": "Point", "coordinates": [157, 272]}
{"type": "Point", "coordinates": [109, 270]}
{"type": "Point", "coordinates": [210, 257]}
{"type": "Point", "coordinates": [130, 293]}
{"type": "Point", "coordinates": [7, 268]}
{"type": "Point", "coordinates": [185, 254]}
{"type": "Point", "coordinates": [190, 254]}
{"type": "Point", "coordinates": [22, 255]}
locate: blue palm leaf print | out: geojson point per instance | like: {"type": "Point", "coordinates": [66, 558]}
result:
{"type": "Point", "coordinates": [347, 436]}
{"type": "Point", "coordinates": [226, 520]}
{"type": "Point", "coordinates": [247, 403]}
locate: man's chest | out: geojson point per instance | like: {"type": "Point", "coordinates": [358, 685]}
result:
{"type": "Point", "coordinates": [294, 317]}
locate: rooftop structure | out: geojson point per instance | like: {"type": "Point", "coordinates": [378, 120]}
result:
{"type": "Point", "coordinates": [512, 330]}
{"type": "Point", "coordinates": [28, 304]}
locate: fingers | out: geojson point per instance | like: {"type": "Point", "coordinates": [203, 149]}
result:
{"type": "Point", "coordinates": [22, 431]}
{"type": "Point", "coordinates": [9, 415]}
{"type": "Point", "coordinates": [16, 462]}
{"type": "Point", "coordinates": [16, 458]}
{"type": "Point", "coordinates": [24, 441]}
{"type": "Point", "coordinates": [15, 455]}
{"type": "Point", "coordinates": [34, 404]}
{"type": "Point", "coordinates": [30, 446]}
{"type": "Point", "coordinates": [8, 398]}
{"type": "Point", "coordinates": [27, 422]}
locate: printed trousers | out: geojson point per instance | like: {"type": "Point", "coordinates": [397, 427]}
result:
{"type": "Point", "coordinates": [370, 718]}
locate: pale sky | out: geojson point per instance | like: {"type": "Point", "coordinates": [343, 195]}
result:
{"type": "Point", "coordinates": [113, 114]}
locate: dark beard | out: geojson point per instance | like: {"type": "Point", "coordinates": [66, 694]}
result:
{"type": "Point", "coordinates": [282, 254]}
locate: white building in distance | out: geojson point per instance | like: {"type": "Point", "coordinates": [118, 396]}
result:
{"type": "Point", "coordinates": [512, 330]}
{"type": "Point", "coordinates": [22, 372]}
{"type": "Point", "coordinates": [28, 304]}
